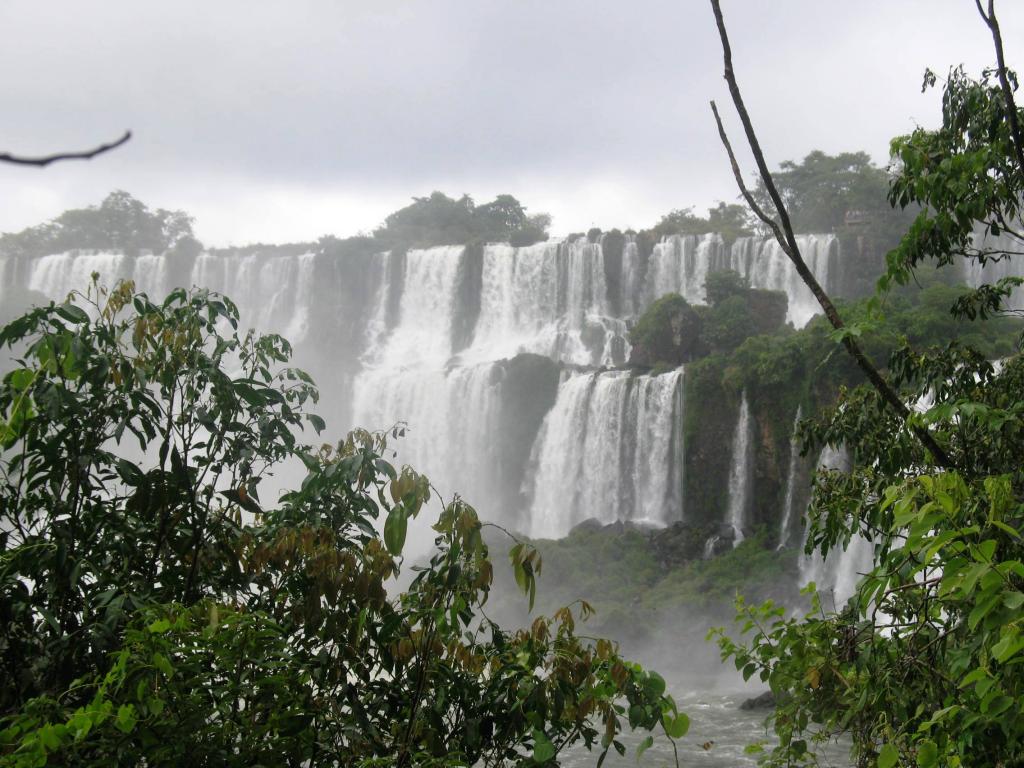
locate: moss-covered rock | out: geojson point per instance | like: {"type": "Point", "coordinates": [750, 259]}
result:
{"type": "Point", "coordinates": [668, 334]}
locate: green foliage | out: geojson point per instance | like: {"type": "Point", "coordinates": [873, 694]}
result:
{"type": "Point", "coordinates": [157, 610]}
{"type": "Point", "coordinates": [923, 665]}
{"type": "Point", "coordinates": [724, 284]}
{"type": "Point", "coordinates": [441, 220]}
{"type": "Point", "coordinates": [119, 222]}
{"type": "Point", "coordinates": [834, 193]}
{"type": "Point", "coordinates": [668, 333]}
{"type": "Point", "coordinates": [729, 220]}
{"type": "Point", "coordinates": [729, 323]}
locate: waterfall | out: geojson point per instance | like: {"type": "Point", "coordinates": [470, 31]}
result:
{"type": "Point", "coordinates": [740, 473]}
{"type": "Point", "coordinates": [55, 276]}
{"type": "Point", "coordinates": [680, 264]}
{"type": "Point", "coordinates": [789, 501]}
{"type": "Point", "coordinates": [550, 299]}
{"type": "Point", "coordinates": [974, 274]}
{"type": "Point", "coordinates": [408, 377]}
{"type": "Point", "coordinates": [763, 262]}
{"type": "Point", "coordinates": [841, 570]}
{"type": "Point", "coordinates": [430, 337]}
{"type": "Point", "coordinates": [609, 449]}
{"type": "Point", "coordinates": [273, 292]}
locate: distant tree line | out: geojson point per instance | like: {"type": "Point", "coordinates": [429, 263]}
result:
{"type": "Point", "coordinates": [120, 222]}
{"type": "Point", "coordinates": [844, 193]}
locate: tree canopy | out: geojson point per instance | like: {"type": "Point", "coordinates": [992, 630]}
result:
{"type": "Point", "coordinates": [836, 193]}
{"type": "Point", "coordinates": [442, 220]}
{"type": "Point", "coordinates": [119, 222]}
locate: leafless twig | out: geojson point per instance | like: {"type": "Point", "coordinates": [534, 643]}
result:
{"type": "Point", "coordinates": [1011, 106]}
{"type": "Point", "coordinates": [40, 162]}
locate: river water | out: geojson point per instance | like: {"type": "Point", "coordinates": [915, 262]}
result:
{"type": "Point", "coordinates": [719, 733]}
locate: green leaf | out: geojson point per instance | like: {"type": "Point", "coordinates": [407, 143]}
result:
{"type": "Point", "coordinates": [927, 754]}
{"type": "Point", "coordinates": [643, 747]}
{"type": "Point", "coordinates": [678, 726]}
{"type": "Point", "coordinates": [543, 749]}
{"type": "Point", "coordinates": [73, 314]}
{"type": "Point", "coordinates": [888, 756]}
{"type": "Point", "coordinates": [125, 720]}
{"type": "Point", "coordinates": [395, 528]}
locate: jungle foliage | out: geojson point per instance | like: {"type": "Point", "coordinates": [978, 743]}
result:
{"type": "Point", "coordinates": [923, 665]}
{"type": "Point", "coordinates": [156, 609]}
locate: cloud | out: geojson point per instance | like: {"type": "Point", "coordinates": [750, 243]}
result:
{"type": "Point", "coordinates": [284, 121]}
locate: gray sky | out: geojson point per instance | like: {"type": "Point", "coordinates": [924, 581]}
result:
{"type": "Point", "coordinates": [280, 121]}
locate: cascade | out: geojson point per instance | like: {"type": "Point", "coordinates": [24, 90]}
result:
{"type": "Point", "coordinates": [419, 337]}
{"type": "Point", "coordinates": [789, 501]}
{"type": "Point", "coordinates": [273, 292]}
{"type": "Point", "coordinates": [974, 274]}
{"type": "Point", "coordinates": [55, 276]}
{"type": "Point", "coordinates": [407, 377]}
{"type": "Point", "coordinates": [609, 449]}
{"type": "Point", "coordinates": [680, 264]}
{"type": "Point", "coordinates": [841, 570]}
{"type": "Point", "coordinates": [550, 298]}
{"type": "Point", "coordinates": [763, 262]}
{"type": "Point", "coordinates": [740, 473]}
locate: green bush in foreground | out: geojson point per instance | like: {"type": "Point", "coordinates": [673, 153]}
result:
{"type": "Point", "coordinates": [155, 612]}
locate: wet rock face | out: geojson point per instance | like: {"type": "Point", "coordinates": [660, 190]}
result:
{"type": "Point", "coordinates": [765, 700]}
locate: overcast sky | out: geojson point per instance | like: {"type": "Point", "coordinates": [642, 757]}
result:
{"type": "Point", "coordinates": [273, 121]}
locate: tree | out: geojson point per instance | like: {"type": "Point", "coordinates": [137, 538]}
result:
{"type": "Point", "coordinates": [922, 666]}
{"type": "Point", "coordinates": [441, 220]}
{"type": "Point", "coordinates": [120, 222]}
{"type": "Point", "coordinates": [829, 193]}
{"type": "Point", "coordinates": [729, 220]}
{"type": "Point", "coordinates": [157, 608]}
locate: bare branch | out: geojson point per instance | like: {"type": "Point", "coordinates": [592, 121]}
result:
{"type": "Point", "coordinates": [738, 174]}
{"type": "Point", "coordinates": [787, 240]}
{"type": "Point", "coordinates": [1011, 106]}
{"type": "Point", "coordinates": [47, 159]}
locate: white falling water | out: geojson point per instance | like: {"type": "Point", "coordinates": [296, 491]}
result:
{"type": "Point", "coordinates": [763, 262]}
{"type": "Point", "coordinates": [842, 569]}
{"type": "Point", "coordinates": [740, 473]}
{"type": "Point", "coordinates": [1013, 266]}
{"type": "Point", "coordinates": [407, 377]}
{"type": "Point", "coordinates": [377, 325]}
{"type": "Point", "coordinates": [680, 264]}
{"type": "Point", "coordinates": [789, 501]}
{"type": "Point", "coordinates": [609, 449]}
{"type": "Point", "coordinates": [551, 299]}
{"type": "Point", "coordinates": [59, 274]}
{"type": "Point", "coordinates": [273, 292]}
